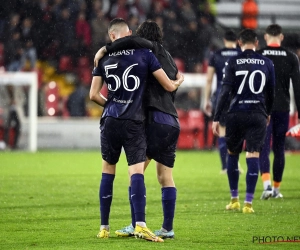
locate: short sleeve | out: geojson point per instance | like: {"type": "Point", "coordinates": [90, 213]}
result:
{"type": "Point", "coordinates": [153, 62]}
{"type": "Point", "coordinates": [97, 71]}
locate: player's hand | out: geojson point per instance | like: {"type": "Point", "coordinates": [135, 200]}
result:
{"type": "Point", "coordinates": [179, 79]}
{"type": "Point", "coordinates": [208, 108]}
{"type": "Point", "coordinates": [215, 128]}
{"type": "Point", "coordinates": [100, 53]}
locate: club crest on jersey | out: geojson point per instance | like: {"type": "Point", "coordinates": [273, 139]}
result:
{"type": "Point", "coordinates": [126, 52]}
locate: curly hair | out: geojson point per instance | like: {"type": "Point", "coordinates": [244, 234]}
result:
{"type": "Point", "coordinates": [150, 31]}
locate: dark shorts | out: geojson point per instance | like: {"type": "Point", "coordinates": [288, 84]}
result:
{"type": "Point", "coordinates": [222, 120]}
{"type": "Point", "coordinates": [245, 126]}
{"type": "Point", "coordinates": [129, 134]}
{"type": "Point", "coordinates": [161, 143]}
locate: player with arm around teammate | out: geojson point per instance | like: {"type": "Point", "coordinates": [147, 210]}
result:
{"type": "Point", "coordinates": [250, 80]}
{"type": "Point", "coordinates": [162, 126]}
{"type": "Point", "coordinates": [286, 66]}
{"type": "Point", "coordinates": [122, 122]}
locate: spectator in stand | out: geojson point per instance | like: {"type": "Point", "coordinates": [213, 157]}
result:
{"type": "Point", "coordinates": [11, 27]}
{"type": "Point", "coordinates": [157, 9]}
{"type": "Point", "coordinates": [14, 52]}
{"type": "Point", "coordinates": [249, 14]}
{"type": "Point", "coordinates": [46, 47]}
{"type": "Point", "coordinates": [205, 39]}
{"type": "Point", "coordinates": [76, 103]}
{"type": "Point", "coordinates": [99, 25]}
{"type": "Point", "coordinates": [187, 12]}
{"type": "Point", "coordinates": [29, 55]}
{"type": "Point", "coordinates": [57, 8]}
{"type": "Point", "coordinates": [65, 32]}
{"type": "Point", "coordinates": [191, 46]}
{"type": "Point", "coordinates": [102, 5]}
{"type": "Point", "coordinates": [172, 28]}
{"type": "Point", "coordinates": [28, 39]}
{"type": "Point", "coordinates": [83, 34]}
{"type": "Point", "coordinates": [119, 9]}
{"type": "Point", "coordinates": [133, 23]}
{"type": "Point", "coordinates": [137, 9]}
{"type": "Point", "coordinates": [205, 9]}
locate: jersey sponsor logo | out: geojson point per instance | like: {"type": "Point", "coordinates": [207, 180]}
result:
{"type": "Point", "coordinates": [122, 101]}
{"type": "Point", "coordinates": [249, 101]}
{"type": "Point", "coordinates": [229, 53]}
{"type": "Point", "coordinates": [126, 52]}
{"type": "Point", "coordinates": [250, 61]}
{"type": "Point", "coordinates": [274, 53]}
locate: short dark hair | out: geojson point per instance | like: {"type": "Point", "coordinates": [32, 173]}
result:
{"type": "Point", "coordinates": [116, 21]}
{"type": "Point", "coordinates": [248, 36]}
{"type": "Point", "coordinates": [150, 31]}
{"type": "Point", "coordinates": [230, 36]}
{"type": "Point", "coordinates": [274, 30]}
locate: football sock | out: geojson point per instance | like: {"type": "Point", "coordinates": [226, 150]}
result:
{"type": "Point", "coordinates": [266, 180]}
{"type": "Point", "coordinates": [105, 196]}
{"type": "Point", "coordinates": [233, 173]}
{"type": "Point", "coordinates": [249, 198]}
{"type": "Point", "coordinates": [234, 194]}
{"type": "Point", "coordinates": [278, 162]}
{"type": "Point", "coordinates": [252, 175]}
{"type": "Point", "coordinates": [168, 204]}
{"type": "Point", "coordinates": [276, 186]}
{"type": "Point", "coordinates": [131, 208]}
{"type": "Point", "coordinates": [223, 151]}
{"type": "Point", "coordinates": [104, 226]}
{"type": "Point", "coordinates": [234, 199]}
{"type": "Point", "coordinates": [138, 197]}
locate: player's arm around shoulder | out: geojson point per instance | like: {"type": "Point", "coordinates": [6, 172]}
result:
{"type": "Point", "coordinates": [100, 53]}
{"type": "Point", "coordinates": [166, 82]}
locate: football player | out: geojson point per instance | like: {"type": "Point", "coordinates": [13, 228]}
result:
{"type": "Point", "coordinates": [286, 65]}
{"type": "Point", "coordinates": [249, 80]}
{"type": "Point", "coordinates": [162, 126]}
{"type": "Point", "coordinates": [216, 66]}
{"type": "Point", "coordinates": [122, 123]}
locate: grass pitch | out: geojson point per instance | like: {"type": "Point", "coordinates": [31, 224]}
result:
{"type": "Point", "coordinates": [49, 200]}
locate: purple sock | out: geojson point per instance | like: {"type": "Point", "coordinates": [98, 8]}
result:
{"type": "Point", "coordinates": [223, 151]}
{"type": "Point", "coordinates": [233, 172]}
{"type": "Point", "coordinates": [105, 196]}
{"type": "Point", "coordinates": [265, 152]}
{"type": "Point", "coordinates": [131, 208]}
{"type": "Point", "coordinates": [252, 174]}
{"type": "Point", "coordinates": [168, 204]}
{"type": "Point", "coordinates": [138, 196]}
{"type": "Point", "coordinates": [249, 197]}
{"type": "Point", "coordinates": [234, 193]}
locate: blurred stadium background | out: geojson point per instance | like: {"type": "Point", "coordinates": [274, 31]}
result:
{"type": "Point", "coordinates": [57, 39]}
